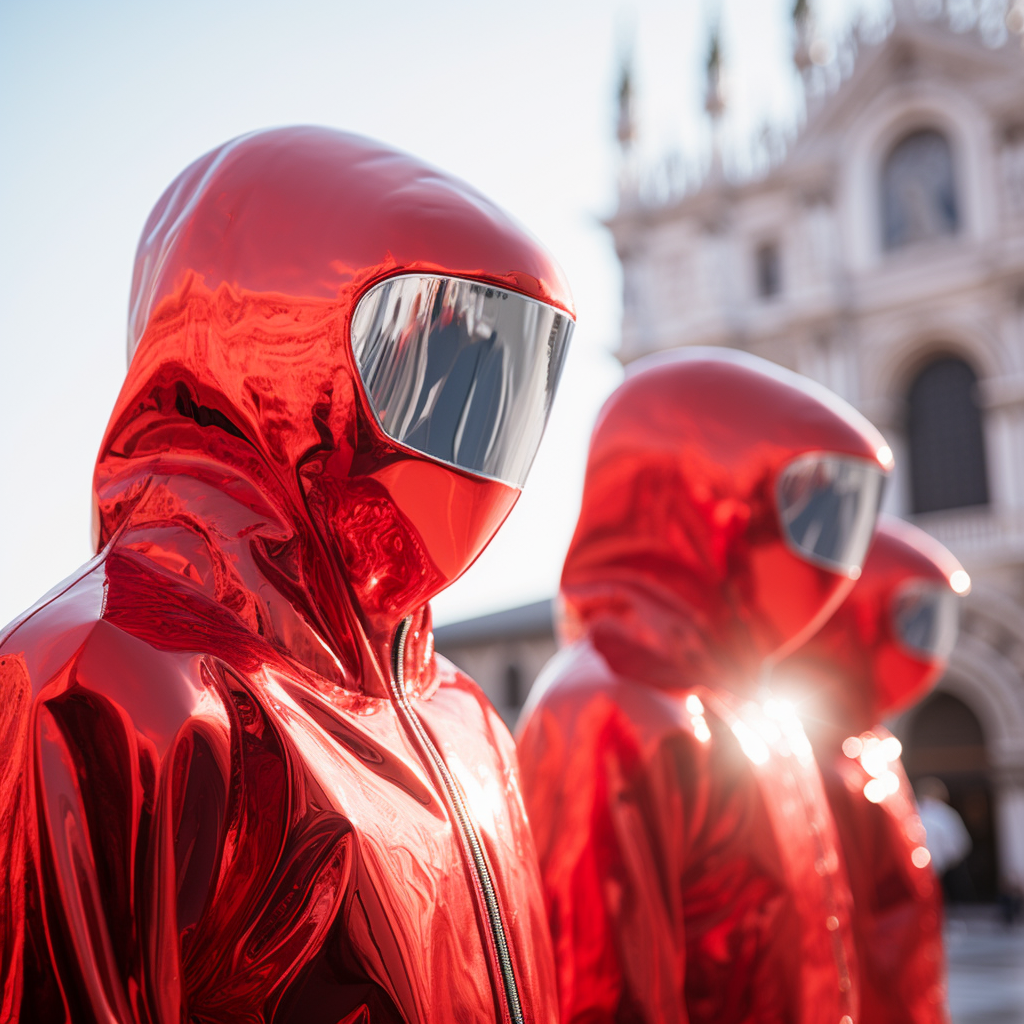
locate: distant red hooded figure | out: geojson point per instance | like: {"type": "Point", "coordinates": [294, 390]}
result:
{"type": "Point", "coordinates": [235, 781]}
{"type": "Point", "coordinates": [688, 855]}
{"type": "Point", "coordinates": [881, 652]}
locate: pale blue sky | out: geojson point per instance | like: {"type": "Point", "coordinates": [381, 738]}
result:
{"type": "Point", "coordinates": [102, 104]}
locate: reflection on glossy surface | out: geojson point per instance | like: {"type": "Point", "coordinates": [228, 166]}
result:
{"type": "Point", "coordinates": [461, 371]}
{"type": "Point", "coordinates": [857, 670]}
{"type": "Point", "coordinates": [828, 508]}
{"type": "Point", "coordinates": [687, 850]}
{"type": "Point", "coordinates": [215, 809]}
{"type": "Point", "coordinates": [926, 617]}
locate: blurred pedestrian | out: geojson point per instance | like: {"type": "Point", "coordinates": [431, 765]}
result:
{"type": "Point", "coordinates": [949, 842]}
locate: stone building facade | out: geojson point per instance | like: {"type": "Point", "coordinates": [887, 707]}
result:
{"type": "Point", "coordinates": [881, 253]}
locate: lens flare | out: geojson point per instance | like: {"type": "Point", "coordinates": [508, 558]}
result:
{"type": "Point", "coordinates": [853, 746]}
{"type": "Point", "coordinates": [873, 758]}
{"type": "Point", "coordinates": [750, 743]}
{"type": "Point", "coordinates": [960, 582]}
{"type": "Point", "coordinates": [891, 748]}
{"type": "Point", "coordinates": [875, 790]}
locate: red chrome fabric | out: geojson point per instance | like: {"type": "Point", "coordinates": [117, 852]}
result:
{"type": "Point", "coordinates": [862, 672]}
{"type": "Point", "coordinates": [214, 809]}
{"type": "Point", "coordinates": [687, 851]}
{"type": "Point", "coordinates": [847, 677]}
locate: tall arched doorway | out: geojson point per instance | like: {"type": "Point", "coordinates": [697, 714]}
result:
{"type": "Point", "coordinates": [944, 738]}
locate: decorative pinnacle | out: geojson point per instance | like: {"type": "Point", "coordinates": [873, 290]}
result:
{"type": "Point", "coordinates": [714, 97]}
{"type": "Point", "coordinates": [803, 22]}
{"type": "Point", "coordinates": [625, 128]}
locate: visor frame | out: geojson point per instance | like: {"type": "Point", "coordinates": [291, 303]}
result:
{"type": "Point", "coordinates": [871, 468]}
{"type": "Point", "coordinates": [563, 320]}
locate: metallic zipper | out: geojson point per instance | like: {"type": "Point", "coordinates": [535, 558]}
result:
{"type": "Point", "coordinates": [515, 1009]}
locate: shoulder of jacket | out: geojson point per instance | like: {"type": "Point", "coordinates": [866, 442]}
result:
{"type": "Point", "coordinates": [447, 673]}
{"type": "Point", "coordinates": [69, 635]}
{"type": "Point", "coordinates": [577, 670]}
{"type": "Point", "coordinates": [69, 605]}
{"type": "Point", "coordinates": [449, 677]}
{"type": "Point", "coordinates": [53, 632]}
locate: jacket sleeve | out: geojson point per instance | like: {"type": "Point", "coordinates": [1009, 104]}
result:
{"type": "Point", "coordinates": [81, 930]}
{"type": "Point", "coordinates": [156, 859]}
{"type": "Point", "coordinates": [15, 694]}
{"type": "Point", "coordinates": [606, 855]}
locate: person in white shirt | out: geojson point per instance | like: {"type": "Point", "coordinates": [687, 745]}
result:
{"type": "Point", "coordinates": [947, 837]}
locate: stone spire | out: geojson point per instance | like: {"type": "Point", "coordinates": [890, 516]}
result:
{"type": "Point", "coordinates": [803, 24]}
{"type": "Point", "coordinates": [714, 94]}
{"type": "Point", "coordinates": [714, 100]}
{"type": "Point", "coordinates": [811, 50]}
{"type": "Point", "coordinates": [625, 127]}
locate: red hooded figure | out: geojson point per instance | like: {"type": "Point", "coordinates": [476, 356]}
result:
{"type": "Point", "coordinates": [688, 854]}
{"type": "Point", "coordinates": [880, 653]}
{"type": "Point", "coordinates": [236, 784]}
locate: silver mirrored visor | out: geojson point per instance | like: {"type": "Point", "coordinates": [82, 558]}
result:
{"type": "Point", "coordinates": [461, 371]}
{"type": "Point", "coordinates": [828, 505]}
{"type": "Point", "coordinates": [926, 618]}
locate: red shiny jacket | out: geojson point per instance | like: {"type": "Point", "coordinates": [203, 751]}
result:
{"type": "Point", "coordinates": [688, 855]}
{"type": "Point", "coordinates": [857, 670]}
{"type": "Point", "coordinates": [236, 784]}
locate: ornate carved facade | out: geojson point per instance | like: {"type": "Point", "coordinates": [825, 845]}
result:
{"type": "Point", "coordinates": [883, 255]}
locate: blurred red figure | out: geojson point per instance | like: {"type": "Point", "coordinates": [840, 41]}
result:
{"type": "Point", "coordinates": [880, 653]}
{"type": "Point", "coordinates": [688, 854]}
{"type": "Point", "coordinates": [235, 782]}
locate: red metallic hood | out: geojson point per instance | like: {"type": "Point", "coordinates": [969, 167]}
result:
{"type": "Point", "coordinates": [678, 569]}
{"type": "Point", "coordinates": [242, 453]}
{"type": "Point", "coordinates": [855, 670]}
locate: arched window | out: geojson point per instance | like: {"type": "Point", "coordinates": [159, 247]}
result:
{"type": "Point", "coordinates": [947, 444]}
{"type": "Point", "coordinates": [919, 200]}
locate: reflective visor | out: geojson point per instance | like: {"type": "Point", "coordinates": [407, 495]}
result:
{"type": "Point", "coordinates": [828, 505]}
{"type": "Point", "coordinates": [461, 371]}
{"type": "Point", "coordinates": [925, 618]}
